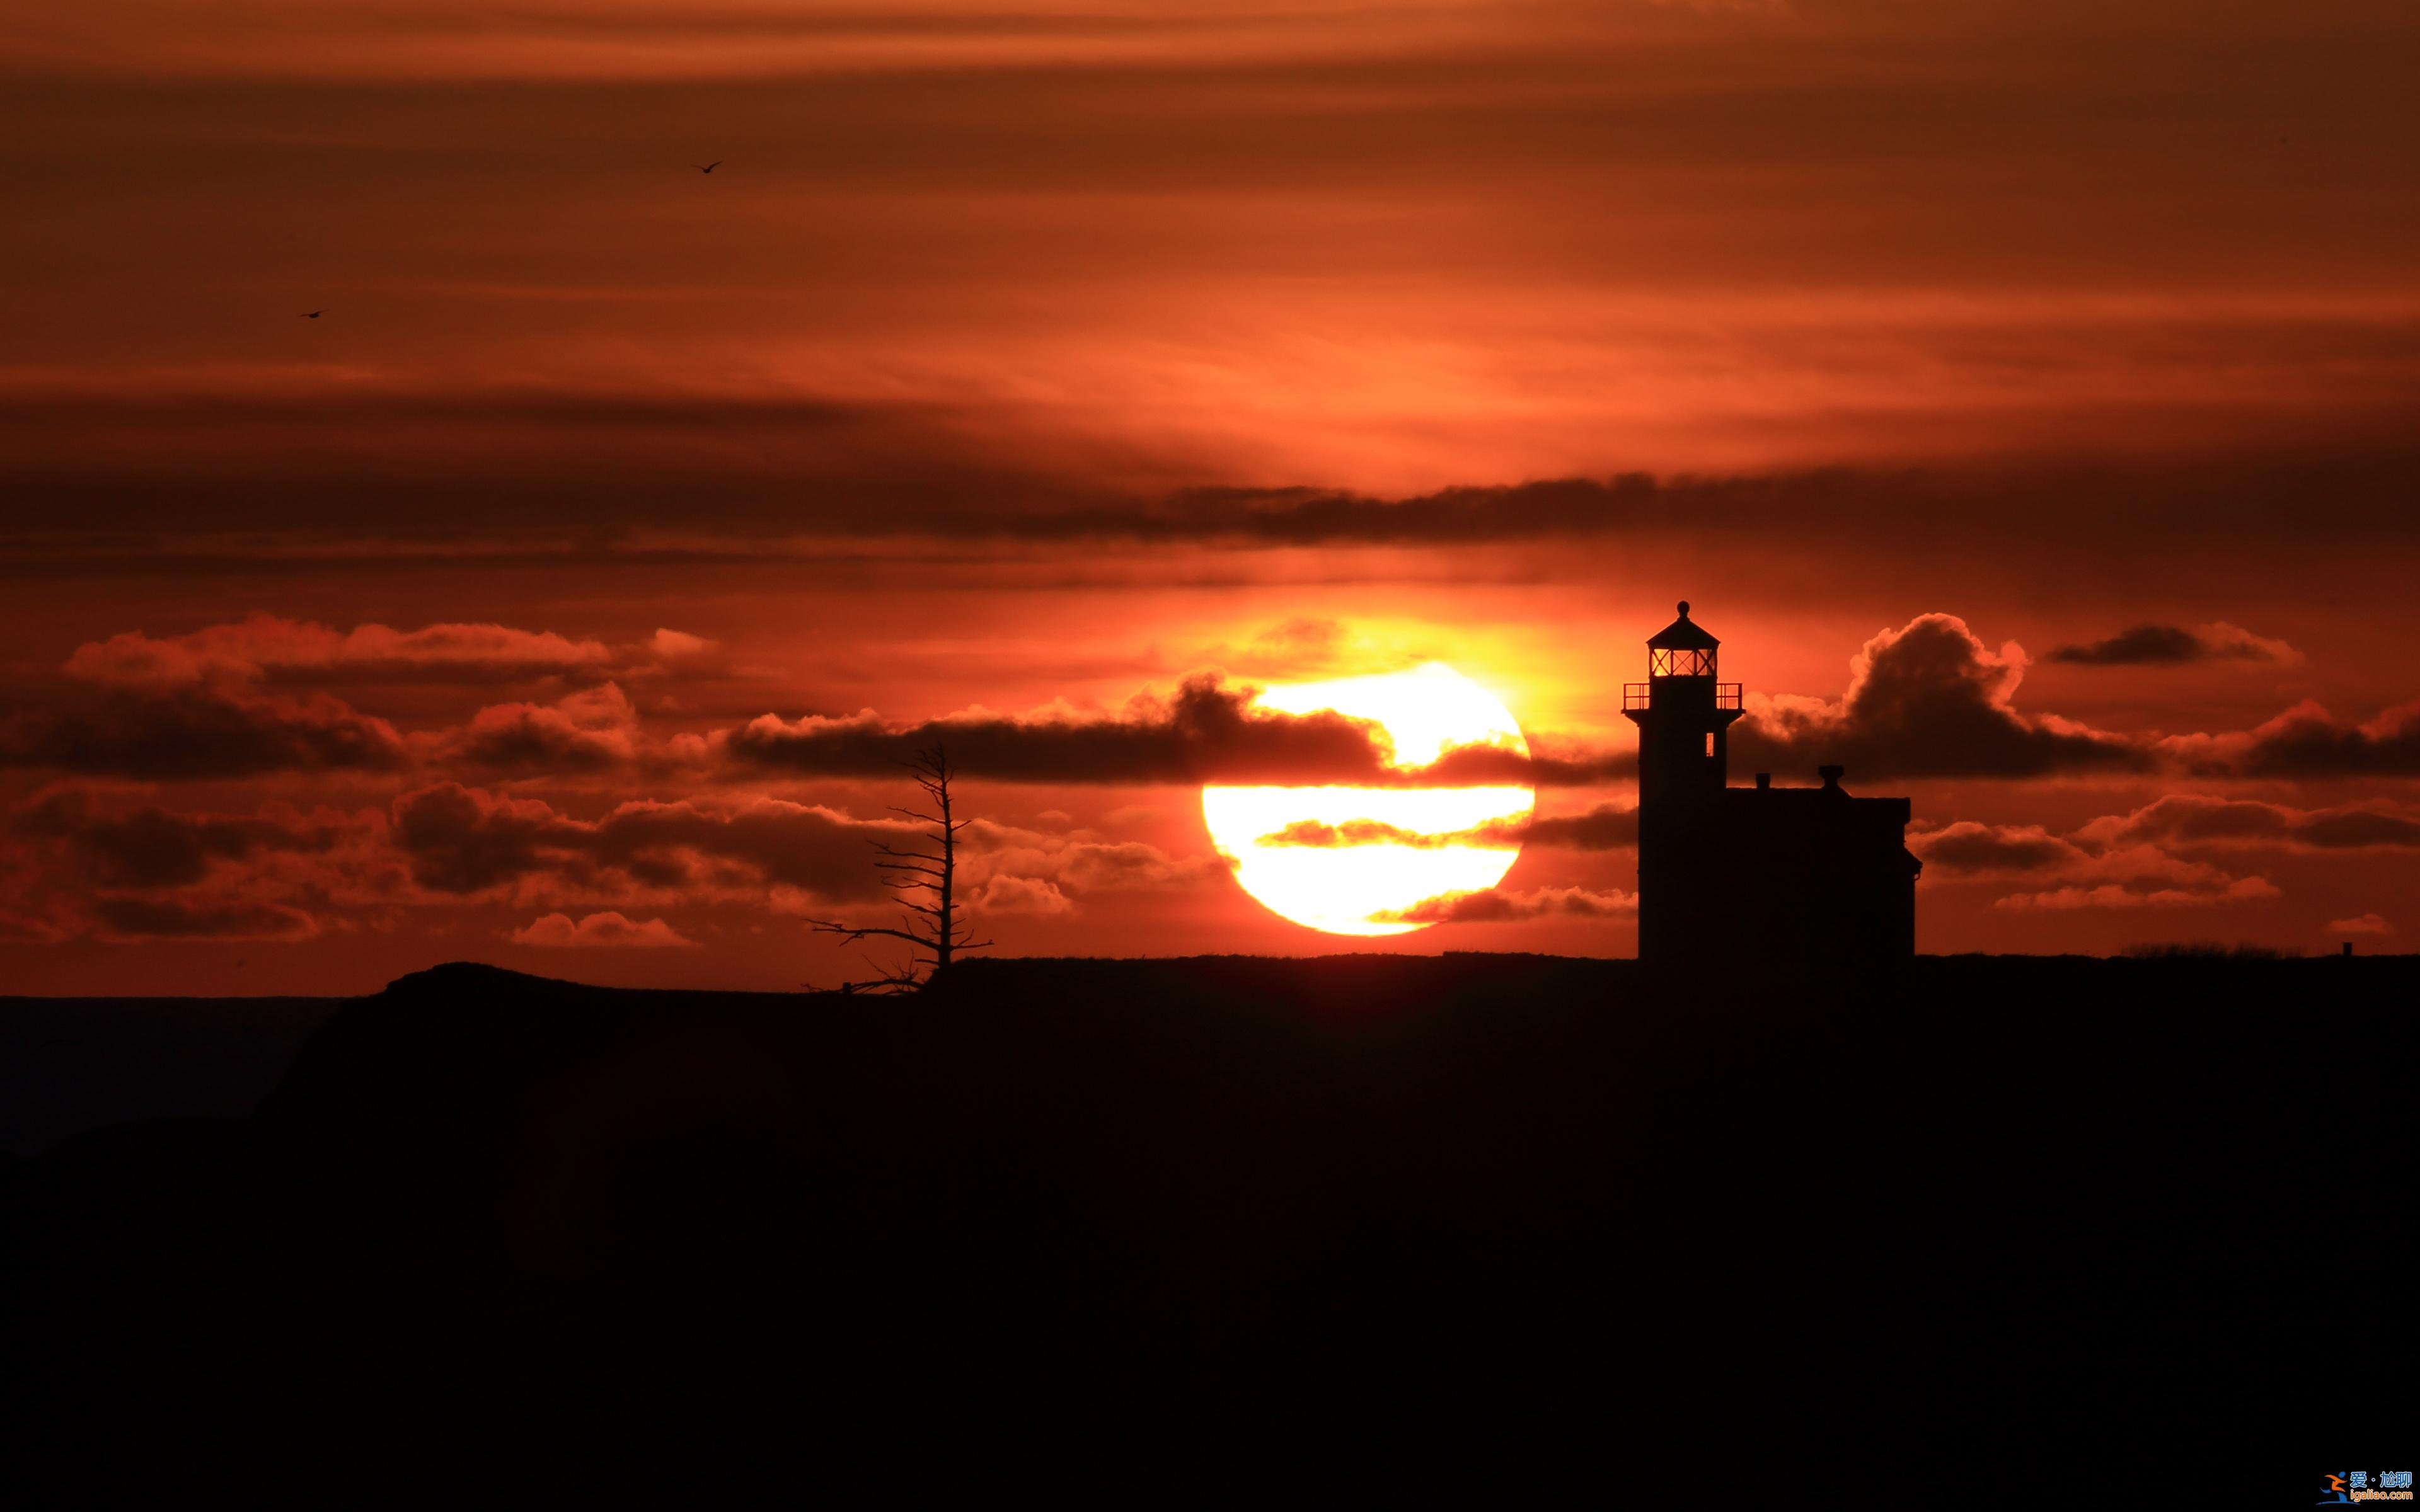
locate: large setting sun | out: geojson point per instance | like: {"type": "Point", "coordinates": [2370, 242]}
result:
{"type": "Point", "coordinates": [1354, 860]}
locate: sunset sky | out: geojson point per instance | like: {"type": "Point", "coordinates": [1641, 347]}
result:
{"type": "Point", "coordinates": [2028, 394]}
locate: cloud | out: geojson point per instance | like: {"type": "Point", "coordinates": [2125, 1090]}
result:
{"type": "Point", "coordinates": [96, 863]}
{"type": "Point", "coordinates": [585, 731]}
{"type": "Point", "coordinates": [464, 840]}
{"type": "Point", "coordinates": [1298, 646]}
{"type": "Point", "coordinates": [1605, 827]}
{"type": "Point", "coordinates": [1491, 906]}
{"type": "Point", "coordinates": [1967, 848]}
{"type": "Point", "coordinates": [1929, 700]}
{"type": "Point", "coordinates": [1629, 503]}
{"type": "Point", "coordinates": [2364, 924]}
{"type": "Point", "coordinates": [2131, 860]}
{"type": "Point", "coordinates": [1022, 895]}
{"type": "Point", "coordinates": [568, 45]}
{"type": "Point", "coordinates": [265, 648]}
{"type": "Point", "coordinates": [2308, 741]}
{"type": "Point", "coordinates": [2198, 820]}
{"type": "Point", "coordinates": [2140, 845]}
{"type": "Point", "coordinates": [1008, 870]}
{"type": "Point", "coordinates": [2104, 865]}
{"type": "Point", "coordinates": [192, 732]}
{"type": "Point", "coordinates": [1552, 760]}
{"type": "Point", "coordinates": [2151, 644]}
{"type": "Point", "coordinates": [1081, 861]}
{"type": "Point", "coordinates": [2115, 895]}
{"type": "Point", "coordinates": [151, 847]}
{"type": "Point", "coordinates": [1312, 834]}
{"type": "Point", "coordinates": [174, 919]}
{"type": "Point", "coordinates": [1206, 730]}
{"type": "Point", "coordinates": [77, 863]}
{"type": "Point", "coordinates": [678, 645]}
{"type": "Point", "coordinates": [198, 705]}
{"type": "Point", "coordinates": [27, 928]}
{"type": "Point", "coordinates": [153, 487]}
{"type": "Point", "coordinates": [605, 929]}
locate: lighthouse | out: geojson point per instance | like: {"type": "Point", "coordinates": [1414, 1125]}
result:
{"type": "Point", "coordinates": [1754, 877]}
{"type": "Point", "coordinates": [1683, 715]}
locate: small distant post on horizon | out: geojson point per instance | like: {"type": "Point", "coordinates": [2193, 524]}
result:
{"type": "Point", "coordinates": [2348, 948]}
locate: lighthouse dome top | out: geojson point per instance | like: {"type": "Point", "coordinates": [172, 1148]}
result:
{"type": "Point", "coordinates": [1684, 634]}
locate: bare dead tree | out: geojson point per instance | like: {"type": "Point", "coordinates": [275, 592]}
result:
{"type": "Point", "coordinates": [923, 880]}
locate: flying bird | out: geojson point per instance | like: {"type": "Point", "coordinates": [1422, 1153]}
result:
{"type": "Point", "coordinates": [707, 167]}
{"type": "Point", "coordinates": [312, 314]}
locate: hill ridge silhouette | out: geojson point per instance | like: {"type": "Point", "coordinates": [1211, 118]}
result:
{"type": "Point", "coordinates": [1189, 1232]}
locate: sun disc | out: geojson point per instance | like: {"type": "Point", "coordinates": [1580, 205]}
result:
{"type": "Point", "coordinates": [1346, 859]}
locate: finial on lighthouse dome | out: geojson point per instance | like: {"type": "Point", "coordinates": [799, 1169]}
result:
{"type": "Point", "coordinates": [1684, 634]}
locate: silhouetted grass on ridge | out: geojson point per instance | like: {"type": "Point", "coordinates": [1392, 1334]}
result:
{"type": "Point", "coordinates": [2208, 950]}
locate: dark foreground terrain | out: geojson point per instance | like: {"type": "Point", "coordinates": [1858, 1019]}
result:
{"type": "Point", "coordinates": [2071, 1232]}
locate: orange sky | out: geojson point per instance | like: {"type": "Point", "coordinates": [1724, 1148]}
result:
{"type": "Point", "coordinates": [1028, 358]}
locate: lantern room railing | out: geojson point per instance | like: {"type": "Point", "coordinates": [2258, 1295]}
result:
{"type": "Point", "coordinates": [1639, 695]}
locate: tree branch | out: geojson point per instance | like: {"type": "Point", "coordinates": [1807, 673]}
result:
{"type": "Point", "coordinates": [936, 928]}
{"type": "Point", "coordinates": [854, 933]}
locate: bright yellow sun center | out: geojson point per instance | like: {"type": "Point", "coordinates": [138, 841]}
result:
{"type": "Point", "coordinates": [1363, 860]}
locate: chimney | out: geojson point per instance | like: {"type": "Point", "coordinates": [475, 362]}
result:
{"type": "Point", "coordinates": [1763, 780]}
{"type": "Point", "coordinates": [1831, 776]}
{"type": "Point", "coordinates": [2347, 947]}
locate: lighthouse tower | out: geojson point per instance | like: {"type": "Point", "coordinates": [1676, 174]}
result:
{"type": "Point", "coordinates": [1754, 878]}
{"type": "Point", "coordinates": [1685, 716]}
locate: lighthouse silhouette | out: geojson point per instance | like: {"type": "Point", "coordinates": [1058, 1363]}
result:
{"type": "Point", "coordinates": [1757, 877]}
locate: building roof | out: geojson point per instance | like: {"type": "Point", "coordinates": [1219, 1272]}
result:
{"type": "Point", "coordinates": [1819, 803]}
{"type": "Point", "coordinates": [1684, 634]}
